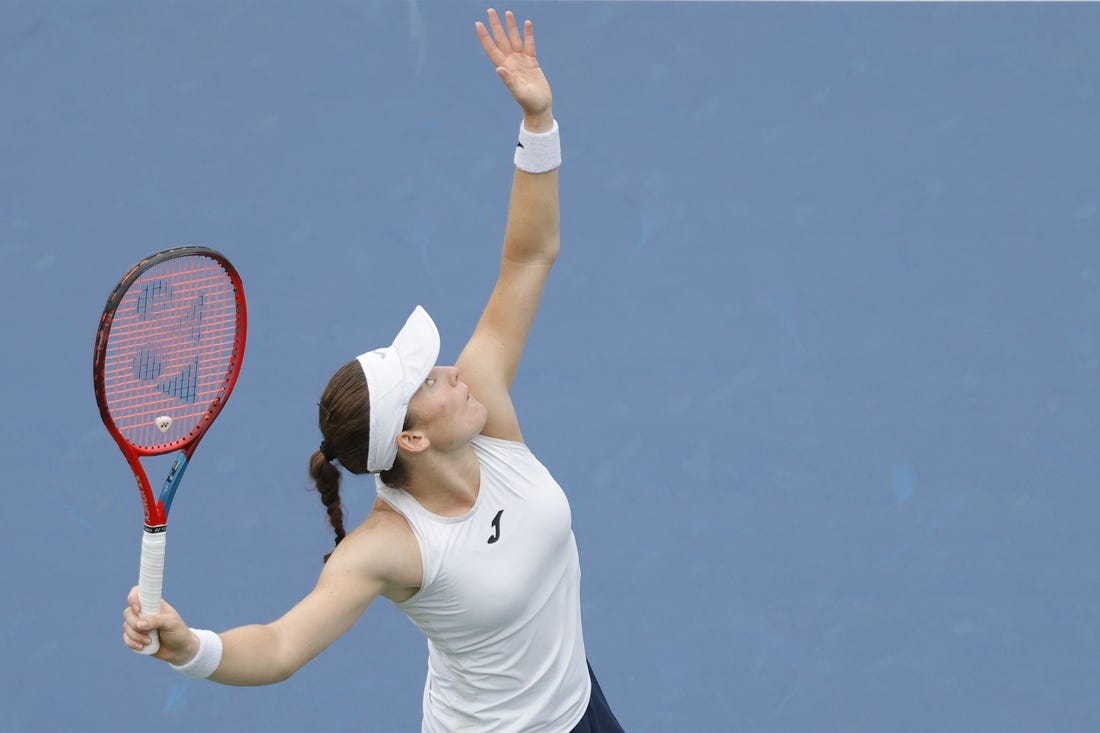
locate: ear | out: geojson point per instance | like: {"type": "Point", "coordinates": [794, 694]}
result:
{"type": "Point", "coordinates": [412, 441]}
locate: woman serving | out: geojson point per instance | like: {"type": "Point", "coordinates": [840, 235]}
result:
{"type": "Point", "coordinates": [470, 535]}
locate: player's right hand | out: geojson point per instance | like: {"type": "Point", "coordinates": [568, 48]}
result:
{"type": "Point", "coordinates": [178, 645]}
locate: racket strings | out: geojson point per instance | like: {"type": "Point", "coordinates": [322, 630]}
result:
{"type": "Point", "coordinates": [170, 350]}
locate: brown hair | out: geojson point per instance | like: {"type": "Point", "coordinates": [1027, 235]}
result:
{"type": "Point", "coordinates": [343, 415]}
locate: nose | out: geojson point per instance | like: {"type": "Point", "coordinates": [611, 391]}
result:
{"type": "Point", "coordinates": [452, 375]}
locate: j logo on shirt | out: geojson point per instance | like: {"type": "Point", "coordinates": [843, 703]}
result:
{"type": "Point", "coordinates": [496, 527]}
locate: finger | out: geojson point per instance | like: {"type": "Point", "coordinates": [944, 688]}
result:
{"type": "Point", "coordinates": [529, 38]}
{"type": "Point", "coordinates": [513, 32]}
{"type": "Point", "coordinates": [139, 624]}
{"type": "Point", "coordinates": [491, 50]}
{"type": "Point", "coordinates": [134, 639]}
{"type": "Point", "coordinates": [499, 36]}
{"type": "Point", "coordinates": [162, 621]}
{"type": "Point", "coordinates": [134, 599]}
{"type": "Point", "coordinates": [143, 625]}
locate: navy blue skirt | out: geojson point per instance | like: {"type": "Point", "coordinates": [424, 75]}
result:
{"type": "Point", "coordinates": [598, 718]}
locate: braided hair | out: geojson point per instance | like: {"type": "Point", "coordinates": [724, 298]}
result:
{"type": "Point", "coordinates": [343, 415]}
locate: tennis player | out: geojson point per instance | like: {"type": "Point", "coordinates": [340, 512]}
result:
{"type": "Point", "coordinates": [470, 535]}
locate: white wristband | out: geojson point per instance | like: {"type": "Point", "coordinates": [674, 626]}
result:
{"type": "Point", "coordinates": [538, 152]}
{"type": "Point", "coordinates": [206, 659]}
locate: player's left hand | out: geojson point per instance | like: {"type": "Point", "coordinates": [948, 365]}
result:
{"type": "Point", "coordinates": [517, 65]}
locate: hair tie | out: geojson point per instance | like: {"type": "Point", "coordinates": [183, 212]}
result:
{"type": "Point", "coordinates": [328, 451]}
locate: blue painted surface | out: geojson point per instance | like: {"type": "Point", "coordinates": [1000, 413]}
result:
{"type": "Point", "coordinates": [818, 366]}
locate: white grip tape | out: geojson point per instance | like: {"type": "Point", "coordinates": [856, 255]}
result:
{"type": "Point", "coordinates": [151, 581]}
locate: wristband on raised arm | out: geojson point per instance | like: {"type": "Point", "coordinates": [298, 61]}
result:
{"type": "Point", "coordinates": [538, 152]}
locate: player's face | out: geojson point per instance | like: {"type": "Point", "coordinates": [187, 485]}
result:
{"type": "Point", "coordinates": [446, 410]}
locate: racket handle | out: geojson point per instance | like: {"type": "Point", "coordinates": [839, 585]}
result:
{"type": "Point", "coordinates": [151, 581]}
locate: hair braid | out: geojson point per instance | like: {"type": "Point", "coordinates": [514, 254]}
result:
{"type": "Point", "coordinates": [343, 415]}
{"type": "Point", "coordinates": [327, 479]}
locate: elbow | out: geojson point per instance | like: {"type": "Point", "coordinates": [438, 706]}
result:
{"type": "Point", "coordinates": [282, 675]}
{"type": "Point", "coordinates": [282, 659]}
{"type": "Point", "coordinates": [551, 247]}
{"type": "Point", "coordinates": [552, 252]}
{"type": "Point", "coordinates": [542, 254]}
{"type": "Point", "coordinates": [285, 665]}
{"type": "Point", "coordinates": [272, 675]}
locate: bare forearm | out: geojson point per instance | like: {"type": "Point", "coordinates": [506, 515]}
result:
{"type": "Point", "coordinates": [253, 655]}
{"type": "Point", "coordinates": [533, 230]}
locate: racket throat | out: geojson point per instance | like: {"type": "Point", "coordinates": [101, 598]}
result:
{"type": "Point", "coordinates": [172, 481]}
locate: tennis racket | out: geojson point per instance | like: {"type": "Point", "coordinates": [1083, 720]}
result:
{"type": "Point", "coordinates": [167, 355]}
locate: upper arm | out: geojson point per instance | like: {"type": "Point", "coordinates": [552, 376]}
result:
{"type": "Point", "coordinates": [376, 558]}
{"type": "Point", "coordinates": [490, 360]}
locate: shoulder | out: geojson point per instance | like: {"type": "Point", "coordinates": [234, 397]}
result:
{"type": "Point", "coordinates": [385, 547]}
{"type": "Point", "coordinates": [484, 443]}
{"type": "Point", "coordinates": [491, 448]}
{"type": "Point", "coordinates": [383, 520]}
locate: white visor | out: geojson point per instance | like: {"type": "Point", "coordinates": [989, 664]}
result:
{"type": "Point", "coordinates": [393, 376]}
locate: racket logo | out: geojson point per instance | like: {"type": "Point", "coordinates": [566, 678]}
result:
{"type": "Point", "coordinates": [150, 294]}
{"type": "Point", "coordinates": [171, 325]}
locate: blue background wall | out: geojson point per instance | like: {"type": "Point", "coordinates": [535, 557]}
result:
{"type": "Point", "coordinates": [818, 366]}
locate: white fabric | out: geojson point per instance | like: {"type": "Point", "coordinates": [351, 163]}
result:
{"type": "Point", "coordinates": [393, 376]}
{"type": "Point", "coordinates": [538, 152]}
{"type": "Point", "coordinates": [206, 659]}
{"type": "Point", "coordinates": [503, 619]}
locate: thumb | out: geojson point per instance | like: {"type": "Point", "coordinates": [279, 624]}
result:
{"type": "Point", "coordinates": [167, 619]}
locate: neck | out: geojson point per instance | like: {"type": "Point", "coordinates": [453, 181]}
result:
{"type": "Point", "coordinates": [446, 484]}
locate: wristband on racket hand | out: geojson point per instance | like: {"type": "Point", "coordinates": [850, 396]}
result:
{"type": "Point", "coordinates": [206, 659]}
{"type": "Point", "coordinates": [538, 152]}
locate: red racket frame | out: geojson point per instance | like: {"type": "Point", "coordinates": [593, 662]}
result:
{"type": "Point", "coordinates": [156, 509]}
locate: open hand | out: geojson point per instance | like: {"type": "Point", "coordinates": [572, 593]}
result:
{"type": "Point", "coordinates": [514, 57]}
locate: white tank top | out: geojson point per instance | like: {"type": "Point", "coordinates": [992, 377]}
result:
{"type": "Point", "coordinates": [500, 602]}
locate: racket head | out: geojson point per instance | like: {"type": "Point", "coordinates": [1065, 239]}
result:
{"type": "Point", "coordinates": [168, 352]}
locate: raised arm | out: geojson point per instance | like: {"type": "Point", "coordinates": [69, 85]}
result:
{"type": "Point", "coordinates": [490, 360]}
